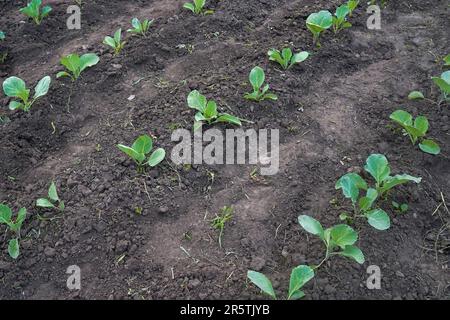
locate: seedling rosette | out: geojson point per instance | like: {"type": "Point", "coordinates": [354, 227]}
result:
{"type": "Point", "coordinates": [33, 10]}
{"type": "Point", "coordinates": [140, 27]}
{"type": "Point", "coordinates": [14, 226]}
{"type": "Point", "coordinates": [53, 201]}
{"type": "Point", "coordinates": [260, 93]}
{"type": "Point", "coordinates": [197, 7]}
{"type": "Point", "coordinates": [115, 42]}
{"type": "Point", "coordinates": [340, 18]}
{"type": "Point", "coordinates": [286, 58]}
{"type": "Point", "coordinates": [207, 111]}
{"type": "Point", "coordinates": [318, 22]}
{"type": "Point", "coordinates": [443, 82]}
{"type": "Point", "coordinates": [139, 151]}
{"type": "Point", "coordinates": [75, 64]}
{"type": "Point", "coordinates": [416, 130]}
{"type": "Point", "coordinates": [15, 87]}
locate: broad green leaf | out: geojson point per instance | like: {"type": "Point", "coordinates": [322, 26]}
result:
{"type": "Point", "coordinates": [42, 87]}
{"type": "Point", "coordinates": [377, 165]}
{"type": "Point", "coordinates": [15, 105]}
{"type": "Point", "coordinates": [189, 6]}
{"type": "Point", "coordinates": [13, 248]}
{"type": "Point", "coordinates": [52, 193]}
{"type": "Point", "coordinates": [354, 253]}
{"type": "Point", "coordinates": [270, 96]}
{"type": "Point", "coordinates": [136, 24]}
{"type": "Point", "coordinates": [447, 60]}
{"type": "Point", "coordinates": [297, 295]}
{"type": "Point", "coordinates": [157, 156]}
{"type": "Point", "coordinates": [143, 144]}
{"type": "Point", "coordinates": [352, 4]}
{"type": "Point", "coordinates": [109, 41]}
{"type": "Point", "coordinates": [211, 110]}
{"type": "Point", "coordinates": [349, 188]}
{"type": "Point", "coordinates": [421, 124]}
{"type": "Point", "coordinates": [71, 62]}
{"type": "Point", "coordinates": [21, 215]}
{"type": "Point", "coordinates": [63, 74]}
{"type": "Point", "coordinates": [138, 157]}
{"type": "Point", "coordinates": [275, 55]}
{"type": "Point", "coordinates": [200, 117]}
{"type": "Point", "coordinates": [357, 180]}
{"type": "Point", "coordinates": [44, 203]}
{"type": "Point", "coordinates": [257, 78]}
{"type": "Point", "coordinates": [228, 118]}
{"type": "Point", "coordinates": [262, 282]}
{"type": "Point", "coordinates": [342, 11]}
{"type": "Point", "coordinates": [429, 146]}
{"type": "Point", "coordinates": [379, 219]}
{"type": "Point", "coordinates": [199, 4]}
{"type": "Point", "coordinates": [286, 54]}
{"type": "Point", "coordinates": [397, 180]}
{"type": "Point", "coordinates": [299, 277]}
{"type": "Point", "coordinates": [416, 95]}
{"type": "Point", "coordinates": [15, 87]}
{"type": "Point", "coordinates": [343, 235]}
{"type": "Point", "coordinates": [300, 57]}
{"type": "Point", "coordinates": [311, 225]}
{"type": "Point", "coordinates": [5, 214]}
{"type": "Point", "coordinates": [402, 117]}
{"type": "Point", "coordinates": [118, 36]}
{"type": "Point", "coordinates": [319, 21]}
{"type": "Point", "coordinates": [446, 76]}
{"type": "Point", "coordinates": [88, 60]}
{"type": "Point", "coordinates": [197, 101]}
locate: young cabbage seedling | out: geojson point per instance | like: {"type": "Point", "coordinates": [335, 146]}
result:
{"type": "Point", "coordinates": [318, 22]}
{"type": "Point", "coordinates": [300, 276]}
{"type": "Point", "coordinates": [260, 93]}
{"type": "Point", "coordinates": [14, 225]}
{"type": "Point", "coordinates": [207, 111]}
{"type": "Point", "coordinates": [443, 82]}
{"type": "Point", "coordinates": [352, 5]}
{"type": "Point", "coordinates": [75, 64]}
{"type": "Point", "coordinates": [219, 221]}
{"type": "Point", "coordinates": [53, 201]}
{"type": "Point", "coordinates": [416, 130]}
{"type": "Point", "coordinates": [339, 239]}
{"type": "Point", "coordinates": [33, 10]}
{"type": "Point", "coordinates": [197, 7]}
{"type": "Point", "coordinates": [285, 58]}
{"type": "Point", "coordinates": [402, 208]}
{"type": "Point", "coordinates": [115, 42]}
{"type": "Point", "coordinates": [352, 183]}
{"type": "Point", "coordinates": [340, 19]}
{"type": "Point", "coordinates": [15, 87]}
{"type": "Point", "coordinates": [140, 27]}
{"type": "Point", "coordinates": [139, 151]}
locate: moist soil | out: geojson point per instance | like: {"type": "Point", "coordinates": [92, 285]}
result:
{"type": "Point", "coordinates": [149, 236]}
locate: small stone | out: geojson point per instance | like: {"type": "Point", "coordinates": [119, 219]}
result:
{"type": "Point", "coordinates": [163, 209]}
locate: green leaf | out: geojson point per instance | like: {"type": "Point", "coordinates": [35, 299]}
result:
{"type": "Point", "coordinates": [354, 253]}
{"type": "Point", "coordinates": [197, 101]}
{"type": "Point", "coordinates": [109, 42]}
{"type": "Point", "coordinates": [297, 295]}
{"type": "Point", "coordinates": [136, 24]}
{"type": "Point", "coordinates": [299, 277]}
{"type": "Point", "coordinates": [416, 95]}
{"type": "Point", "coordinates": [143, 144]}
{"type": "Point", "coordinates": [63, 74]}
{"type": "Point", "coordinates": [379, 219]}
{"type": "Point", "coordinates": [257, 78]}
{"type": "Point", "coordinates": [275, 55]}
{"type": "Point", "coordinates": [429, 146]}
{"type": "Point", "coordinates": [21, 215]}
{"type": "Point", "coordinates": [228, 118]}
{"type": "Point", "coordinates": [349, 185]}
{"type": "Point", "coordinates": [365, 203]}
{"type": "Point", "coordinates": [421, 124]}
{"type": "Point", "coordinates": [45, 11]}
{"type": "Point", "coordinates": [211, 110]}
{"type": "Point", "coordinates": [13, 248]}
{"type": "Point", "coordinates": [443, 82]}
{"type": "Point", "coordinates": [88, 60]}
{"type": "Point", "coordinates": [357, 180]}
{"type": "Point", "coordinates": [138, 157]}
{"type": "Point", "coordinates": [52, 193]}
{"type": "Point", "coordinates": [262, 282]}
{"type": "Point", "coordinates": [15, 87]}
{"type": "Point", "coordinates": [311, 225]}
{"type": "Point", "coordinates": [343, 235]}
{"type": "Point", "coordinates": [396, 180]}
{"type": "Point", "coordinates": [377, 165]}
{"type": "Point", "coordinates": [402, 117]}
{"type": "Point", "coordinates": [157, 156]}
{"type": "Point", "coordinates": [71, 62]}
{"type": "Point", "coordinates": [300, 57]}
{"type": "Point", "coordinates": [286, 53]}
{"type": "Point", "coordinates": [118, 36]}
{"type": "Point", "coordinates": [61, 206]}
{"type": "Point", "coordinates": [42, 87]}
{"type": "Point", "coordinates": [2, 35]}
{"type": "Point", "coordinates": [44, 203]}
{"type": "Point", "coordinates": [342, 11]}
{"type": "Point", "coordinates": [14, 105]}
{"type": "Point", "coordinates": [447, 60]}
{"type": "Point", "coordinates": [270, 96]}
{"type": "Point", "coordinates": [189, 6]}
{"type": "Point", "coordinates": [5, 214]}
{"type": "Point", "coordinates": [319, 21]}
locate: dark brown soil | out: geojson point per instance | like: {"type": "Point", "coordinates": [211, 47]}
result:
{"type": "Point", "coordinates": [333, 111]}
